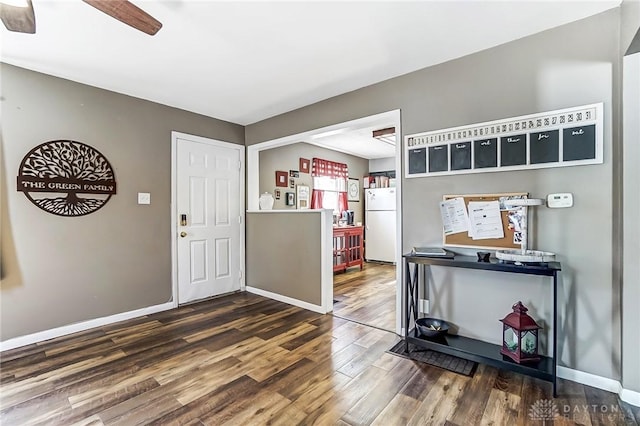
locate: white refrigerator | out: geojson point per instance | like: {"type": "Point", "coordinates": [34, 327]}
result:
{"type": "Point", "coordinates": [380, 224]}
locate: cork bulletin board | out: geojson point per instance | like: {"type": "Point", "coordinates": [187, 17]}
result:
{"type": "Point", "coordinates": [462, 239]}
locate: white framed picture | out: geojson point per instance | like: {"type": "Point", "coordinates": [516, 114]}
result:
{"type": "Point", "coordinates": [353, 189]}
{"type": "Point", "coordinates": [303, 198]}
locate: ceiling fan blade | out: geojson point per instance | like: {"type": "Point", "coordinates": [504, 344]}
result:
{"type": "Point", "coordinates": [128, 13]}
{"type": "Point", "coordinates": [19, 19]}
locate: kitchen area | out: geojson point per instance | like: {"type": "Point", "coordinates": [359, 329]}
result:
{"type": "Point", "coordinates": [352, 175]}
{"type": "Point", "coordinates": [348, 175]}
{"type": "Point", "coordinates": [373, 241]}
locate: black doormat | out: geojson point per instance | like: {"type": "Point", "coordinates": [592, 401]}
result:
{"type": "Point", "coordinates": [437, 359]}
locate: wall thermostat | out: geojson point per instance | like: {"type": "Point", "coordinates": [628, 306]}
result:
{"type": "Point", "coordinates": [558, 201]}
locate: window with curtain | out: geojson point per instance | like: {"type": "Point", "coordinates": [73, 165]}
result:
{"type": "Point", "coordinates": [329, 185]}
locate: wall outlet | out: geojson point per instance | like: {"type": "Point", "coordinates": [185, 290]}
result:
{"type": "Point", "coordinates": [144, 198]}
{"type": "Point", "coordinates": [560, 200]}
{"type": "Point", "coordinates": [423, 306]}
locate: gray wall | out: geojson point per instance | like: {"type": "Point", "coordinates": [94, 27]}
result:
{"type": "Point", "coordinates": [283, 255]}
{"type": "Point", "coordinates": [631, 167]}
{"type": "Point", "coordinates": [287, 158]}
{"type": "Point", "coordinates": [568, 66]}
{"type": "Point", "coordinates": [631, 271]}
{"type": "Point", "coordinates": [631, 177]}
{"type": "Point", "coordinates": [60, 270]}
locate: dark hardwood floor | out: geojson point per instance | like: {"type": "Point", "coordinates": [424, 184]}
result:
{"type": "Point", "coordinates": [245, 360]}
{"type": "Point", "coordinates": [367, 296]}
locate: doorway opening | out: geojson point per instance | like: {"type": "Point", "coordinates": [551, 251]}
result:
{"type": "Point", "coordinates": [376, 274]}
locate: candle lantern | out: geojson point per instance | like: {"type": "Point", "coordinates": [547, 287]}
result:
{"type": "Point", "coordinates": [520, 335]}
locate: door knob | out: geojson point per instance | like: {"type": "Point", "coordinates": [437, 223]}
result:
{"type": "Point", "coordinates": [183, 234]}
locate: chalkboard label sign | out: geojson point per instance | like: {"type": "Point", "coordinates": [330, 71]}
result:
{"type": "Point", "coordinates": [579, 143]}
{"type": "Point", "coordinates": [544, 147]}
{"type": "Point", "coordinates": [418, 160]}
{"type": "Point", "coordinates": [513, 150]}
{"type": "Point", "coordinates": [564, 137]}
{"type": "Point", "coordinates": [439, 158]}
{"type": "Point", "coordinates": [486, 153]}
{"type": "Point", "coordinates": [461, 156]}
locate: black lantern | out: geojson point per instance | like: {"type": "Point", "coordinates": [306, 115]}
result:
{"type": "Point", "coordinates": [520, 335]}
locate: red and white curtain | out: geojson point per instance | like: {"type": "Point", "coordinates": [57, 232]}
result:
{"type": "Point", "coordinates": [328, 168]}
{"type": "Point", "coordinates": [329, 185]}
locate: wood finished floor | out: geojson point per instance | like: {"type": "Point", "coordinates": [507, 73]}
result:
{"type": "Point", "coordinates": [246, 360]}
{"type": "Point", "coordinates": [367, 296]}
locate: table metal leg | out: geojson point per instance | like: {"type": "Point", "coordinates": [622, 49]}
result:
{"type": "Point", "coordinates": [407, 312]}
{"type": "Point", "coordinates": [555, 334]}
{"type": "Point", "coordinates": [411, 305]}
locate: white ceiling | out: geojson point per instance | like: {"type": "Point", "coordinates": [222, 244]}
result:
{"type": "Point", "coordinates": [246, 61]}
{"type": "Point", "coordinates": [356, 141]}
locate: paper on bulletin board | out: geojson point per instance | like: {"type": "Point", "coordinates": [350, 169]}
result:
{"type": "Point", "coordinates": [485, 221]}
{"type": "Point", "coordinates": [454, 216]}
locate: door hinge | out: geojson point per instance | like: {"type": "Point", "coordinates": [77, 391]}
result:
{"type": "Point", "coordinates": [240, 220]}
{"type": "Point", "coordinates": [240, 275]}
{"type": "Point", "coordinates": [239, 165]}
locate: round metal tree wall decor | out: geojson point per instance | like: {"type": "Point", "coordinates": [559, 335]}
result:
{"type": "Point", "coordinates": [66, 178]}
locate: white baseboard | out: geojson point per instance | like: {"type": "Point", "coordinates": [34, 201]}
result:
{"type": "Point", "coordinates": [286, 299]}
{"type": "Point", "coordinates": [604, 383]}
{"type": "Point", "coordinates": [589, 379]}
{"type": "Point", "coordinates": [41, 336]}
{"type": "Point", "coordinates": [630, 397]}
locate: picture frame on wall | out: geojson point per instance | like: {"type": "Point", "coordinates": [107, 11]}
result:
{"type": "Point", "coordinates": [281, 178]}
{"type": "Point", "coordinates": [305, 165]}
{"type": "Point", "coordinates": [290, 199]}
{"type": "Point", "coordinates": [353, 190]}
{"type": "Point", "coordinates": [303, 200]}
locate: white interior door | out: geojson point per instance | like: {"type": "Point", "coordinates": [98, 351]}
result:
{"type": "Point", "coordinates": [208, 200]}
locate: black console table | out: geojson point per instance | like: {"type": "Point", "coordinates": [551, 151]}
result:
{"type": "Point", "coordinates": [465, 347]}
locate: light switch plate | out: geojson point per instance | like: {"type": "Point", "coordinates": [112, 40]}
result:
{"type": "Point", "coordinates": [144, 198]}
{"type": "Point", "coordinates": [560, 200]}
